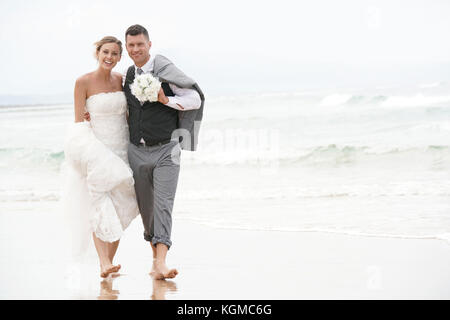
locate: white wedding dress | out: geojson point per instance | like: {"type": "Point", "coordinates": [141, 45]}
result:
{"type": "Point", "coordinates": [98, 192]}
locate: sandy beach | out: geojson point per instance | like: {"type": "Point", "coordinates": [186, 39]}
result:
{"type": "Point", "coordinates": [224, 264]}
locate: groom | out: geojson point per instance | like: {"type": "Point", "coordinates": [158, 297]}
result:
{"type": "Point", "coordinates": [158, 132]}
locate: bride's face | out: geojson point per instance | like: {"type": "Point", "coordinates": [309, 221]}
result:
{"type": "Point", "coordinates": [138, 48]}
{"type": "Point", "coordinates": [109, 55]}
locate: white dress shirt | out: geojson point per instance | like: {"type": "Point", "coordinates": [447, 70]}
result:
{"type": "Point", "coordinates": [184, 99]}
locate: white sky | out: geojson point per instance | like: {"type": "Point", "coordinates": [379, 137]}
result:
{"type": "Point", "coordinates": [224, 45]}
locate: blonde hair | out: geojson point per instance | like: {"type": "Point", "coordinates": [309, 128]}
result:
{"type": "Point", "coordinates": [107, 39]}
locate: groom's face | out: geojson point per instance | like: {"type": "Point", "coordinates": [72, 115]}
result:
{"type": "Point", "coordinates": [138, 48]}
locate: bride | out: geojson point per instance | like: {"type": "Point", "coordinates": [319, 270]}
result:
{"type": "Point", "coordinates": [100, 191]}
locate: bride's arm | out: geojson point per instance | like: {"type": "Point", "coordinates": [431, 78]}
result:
{"type": "Point", "coordinates": [80, 99]}
{"type": "Point", "coordinates": [121, 81]}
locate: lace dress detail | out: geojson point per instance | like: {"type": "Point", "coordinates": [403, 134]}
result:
{"type": "Point", "coordinates": [97, 153]}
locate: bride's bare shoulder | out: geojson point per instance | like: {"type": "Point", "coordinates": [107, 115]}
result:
{"type": "Point", "coordinates": [116, 75]}
{"type": "Point", "coordinates": [117, 78]}
{"type": "Point", "coordinates": [84, 79]}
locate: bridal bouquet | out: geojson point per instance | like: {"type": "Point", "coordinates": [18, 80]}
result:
{"type": "Point", "coordinates": [145, 88]}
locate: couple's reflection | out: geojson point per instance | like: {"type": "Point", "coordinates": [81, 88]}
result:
{"type": "Point", "coordinates": [160, 289]}
{"type": "Point", "coordinates": [106, 290]}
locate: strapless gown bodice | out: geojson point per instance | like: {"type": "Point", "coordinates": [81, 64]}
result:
{"type": "Point", "coordinates": [108, 120]}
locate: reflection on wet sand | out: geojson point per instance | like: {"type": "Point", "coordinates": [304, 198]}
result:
{"type": "Point", "coordinates": [160, 288]}
{"type": "Point", "coordinates": [106, 290]}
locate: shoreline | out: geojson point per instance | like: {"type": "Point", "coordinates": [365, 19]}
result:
{"type": "Point", "coordinates": [441, 237]}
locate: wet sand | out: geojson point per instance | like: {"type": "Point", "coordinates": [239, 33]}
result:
{"type": "Point", "coordinates": [224, 264]}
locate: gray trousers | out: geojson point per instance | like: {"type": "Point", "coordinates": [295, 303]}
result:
{"type": "Point", "coordinates": [155, 172]}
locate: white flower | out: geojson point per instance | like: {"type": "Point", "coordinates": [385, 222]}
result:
{"type": "Point", "coordinates": [145, 88]}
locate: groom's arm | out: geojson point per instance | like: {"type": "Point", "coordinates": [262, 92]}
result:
{"type": "Point", "coordinates": [184, 99]}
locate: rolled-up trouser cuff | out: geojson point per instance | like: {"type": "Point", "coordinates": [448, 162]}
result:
{"type": "Point", "coordinates": [156, 240]}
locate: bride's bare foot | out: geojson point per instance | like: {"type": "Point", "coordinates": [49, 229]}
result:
{"type": "Point", "coordinates": [161, 271]}
{"type": "Point", "coordinates": [107, 270]}
{"type": "Point", "coordinates": [117, 268]}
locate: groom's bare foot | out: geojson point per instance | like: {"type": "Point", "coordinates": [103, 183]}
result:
{"type": "Point", "coordinates": [152, 272]}
{"type": "Point", "coordinates": [161, 271]}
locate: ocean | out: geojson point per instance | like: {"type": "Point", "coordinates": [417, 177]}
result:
{"type": "Point", "coordinates": [362, 162]}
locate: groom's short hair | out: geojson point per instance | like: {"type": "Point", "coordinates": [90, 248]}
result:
{"type": "Point", "coordinates": [136, 29]}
